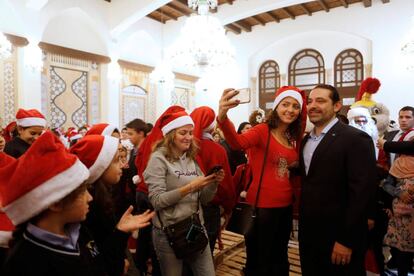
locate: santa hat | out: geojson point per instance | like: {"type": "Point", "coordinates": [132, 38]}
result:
{"type": "Point", "coordinates": [358, 112]}
{"type": "Point", "coordinates": [364, 97]}
{"type": "Point", "coordinates": [288, 91]}
{"type": "Point", "coordinates": [31, 117]}
{"type": "Point", "coordinates": [101, 129]}
{"type": "Point", "coordinates": [6, 226]}
{"type": "Point", "coordinates": [175, 120]}
{"type": "Point", "coordinates": [8, 130]}
{"type": "Point", "coordinates": [74, 135]}
{"type": "Point", "coordinates": [204, 120]}
{"type": "Point", "coordinates": [43, 175]}
{"type": "Point", "coordinates": [96, 153]}
{"type": "Point", "coordinates": [156, 134]}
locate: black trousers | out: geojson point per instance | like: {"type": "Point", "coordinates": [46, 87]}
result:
{"type": "Point", "coordinates": [404, 261]}
{"type": "Point", "coordinates": [316, 242]}
{"type": "Point", "coordinates": [211, 215]}
{"type": "Point", "coordinates": [267, 242]}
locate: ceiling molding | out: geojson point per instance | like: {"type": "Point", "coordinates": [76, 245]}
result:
{"type": "Point", "coordinates": [18, 41]}
{"type": "Point", "coordinates": [73, 53]}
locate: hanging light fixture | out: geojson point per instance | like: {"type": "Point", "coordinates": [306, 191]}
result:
{"type": "Point", "coordinates": [162, 73]}
{"type": "Point", "coordinates": [202, 5]}
{"type": "Point", "coordinates": [5, 47]}
{"type": "Point", "coordinates": [202, 43]}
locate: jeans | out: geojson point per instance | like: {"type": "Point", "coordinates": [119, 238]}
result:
{"type": "Point", "coordinates": [201, 265]}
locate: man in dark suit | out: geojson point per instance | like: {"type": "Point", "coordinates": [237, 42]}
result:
{"type": "Point", "coordinates": [338, 180]}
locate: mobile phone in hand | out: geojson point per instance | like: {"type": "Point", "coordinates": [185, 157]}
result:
{"type": "Point", "coordinates": [214, 169]}
{"type": "Point", "coordinates": [243, 96]}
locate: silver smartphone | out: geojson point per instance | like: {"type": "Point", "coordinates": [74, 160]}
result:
{"type": "Point", "coordinates": [243, 96]}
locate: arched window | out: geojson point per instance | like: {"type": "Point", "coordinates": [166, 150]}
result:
{"type": "Point", "coordinates": [306, 69]}
{"type": "Point", "coordinates": [269, 82]}
{"type": "Point", "coordinates": [133, 103]}
{"type": "Point", "coordinates": [349, 68]}
{"type": "Point", "coordinates": [348, 75]}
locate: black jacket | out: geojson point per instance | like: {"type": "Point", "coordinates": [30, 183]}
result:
{"type": "Point", "coordinates": [16, 147]}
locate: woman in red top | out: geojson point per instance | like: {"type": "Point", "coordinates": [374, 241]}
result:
{"type": "Point", "coordinates": [268, 240]}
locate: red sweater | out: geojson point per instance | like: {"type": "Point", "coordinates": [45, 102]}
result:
{"type": "Point", "coordinates": [276, 189]}
{"type": "Point", "coordinates": [212, 154]}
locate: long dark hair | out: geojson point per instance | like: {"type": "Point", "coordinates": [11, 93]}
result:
{"type": "Point", "coordinates": [294, 129]}
{"type": "Point", "coordinates": [103, 197]}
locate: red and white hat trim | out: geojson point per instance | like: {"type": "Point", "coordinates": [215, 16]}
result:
{"type": "Point", "coordinates": [31, 121]}
{"type": "Point", "coordinates": [51, 191]}
{"type": "Point", "coordinates": [176, 123]}
{"type": "Point", "coordinates": [75, 137]}
{"type": "Point", "coordinates": [288, 93]}
{"type": "Point", "coordinates": [108, 130]}
{"type": "Point", "coordinates": [357, 112]}
{"type": "Point", "coordinates": [109, 148]}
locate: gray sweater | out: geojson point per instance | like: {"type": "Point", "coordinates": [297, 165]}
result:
{"type": "Point", "coordinates": [164, 180]}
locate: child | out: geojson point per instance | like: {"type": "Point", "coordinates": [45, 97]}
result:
{"type": "Point", "coordinates": [30, 124]}
{"type": "Point", "coordinates": [101, 155]}
{"type": "Point", "coordinates": [43, 193]}
{"type": "Point", "coordinates": [104, 129]}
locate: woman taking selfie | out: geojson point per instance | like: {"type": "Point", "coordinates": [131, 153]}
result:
{"type": "Point", "coordinates": [273, 150]}
{"type": "Point", "coordinates": [177, 188]}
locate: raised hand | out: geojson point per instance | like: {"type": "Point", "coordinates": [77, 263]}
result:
{"type": "Point", "coordinates": [129, 222]}
{"type": "Point", "coordinates": [227, 103]}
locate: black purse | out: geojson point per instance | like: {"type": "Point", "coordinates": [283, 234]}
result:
{"type": "Point", "coordinates": [243, 216]}
{"type": "Point", "coordinates": [186, 237]}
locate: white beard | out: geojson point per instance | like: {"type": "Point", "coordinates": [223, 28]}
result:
{"type": "Point", "coordinates": [369, 128]}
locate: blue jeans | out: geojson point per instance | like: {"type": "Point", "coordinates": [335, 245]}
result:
{"type": "Point", "coordinates": [201, 265]}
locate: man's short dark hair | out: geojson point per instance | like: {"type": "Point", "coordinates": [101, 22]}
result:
{"type": "Point", "coordinates": [334, 95]}
{"type": "Point", "coordinates": [407, 108]}
{"type": "Point", "coordinates": [138, 125]}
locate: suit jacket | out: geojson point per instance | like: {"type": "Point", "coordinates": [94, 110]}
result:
{"type": "Point", "coordinates": [338, 188]}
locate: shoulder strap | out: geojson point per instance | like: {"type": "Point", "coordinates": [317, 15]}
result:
{"type": "Point", "coordinates": [264, 162]}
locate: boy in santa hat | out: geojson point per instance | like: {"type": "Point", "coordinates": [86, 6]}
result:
{"type": "Point", "coordinates": [30, 124]}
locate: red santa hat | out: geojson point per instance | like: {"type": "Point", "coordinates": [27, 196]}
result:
{"type": "Point", "coordinates": [43, 175]}
{"type": "Point", "coordinates": [6, 226]}
{"type": "Point", "coordinates": [175, 120]}
{"type": "Point", "coordinates": [74, 135]}
{"type": "Point", "coordinates": [96, 153]}
{"type": "Point", "coordinates": [8, 130]}
{"type": "Point", "coordinates": [288, 91]}
{"type": "Point", "coordinates": [31, 117]}
{"type": "Point", "coordinates": [204, 120]}
{"type": "Point", "coordinates": [101, 129]}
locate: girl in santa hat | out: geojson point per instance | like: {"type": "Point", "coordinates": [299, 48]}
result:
{"type": "Point", "coordinates": [177, 188]}
{"type": "Point", "coordinates": [100, 154]}
{"type": "Point", "coordinates": [273, 150]}
{"type": "Point", "coordinates": [30, 124]}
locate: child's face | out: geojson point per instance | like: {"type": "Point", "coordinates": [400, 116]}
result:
{"type": "Point", "coordinates": [134, 136]}
{"type": "Point", "coordinates": [30, 134]}
{"type": "Point", "coordinates": [77, 210]}
{"type": "Point", "coordinates": [113, 173]}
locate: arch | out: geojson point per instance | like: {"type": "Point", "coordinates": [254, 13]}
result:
{"type": "Point", "coordinates": [348, 68]}
{"type": "Point", "coordinates": [306, 69]}
{"type": "Point", "coordinates": [269, 82]}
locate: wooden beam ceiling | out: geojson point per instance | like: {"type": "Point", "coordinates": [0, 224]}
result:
{"type": "Point", "coordinates": [181, 11]}
{"type": "Point", "coordinates": [344, 3]}
{"type": "Point", "coordinates": [323, 5]}
{"type": "Point", "coordinates": [233, 28]}
{"type": "Point", "coordinates": [291, 15]}
{"type": "Point", "coordinates": [273, 16]}
{"type": "Point", "coordinates": [385, 1]}
{"type": "Point", "coordinates": [244, 26]}
{"type": "Point", "coordinates": [258, 19]}
{"type": "Point", "coordinates": [367, 3]}
{"type": "Point", "coordinates": [308, 12]}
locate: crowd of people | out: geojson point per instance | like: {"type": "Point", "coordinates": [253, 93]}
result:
{"type": "Point", "coordinates": [71, 200]}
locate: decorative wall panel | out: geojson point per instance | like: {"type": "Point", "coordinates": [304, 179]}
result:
{"type": "Point", "coordinates": [8, 88]}
{"type": "Point", "coordinates": [70, 91]}
{"type": "Point", "coordinates": [183, 94]}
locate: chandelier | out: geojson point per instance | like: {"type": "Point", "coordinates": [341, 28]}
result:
{"type": "Point", "coordinates": [5, 47]}
{"type": "Point", "coordinates": [203, 5]}
{"type": "Point", "coordinates": [202, 44]}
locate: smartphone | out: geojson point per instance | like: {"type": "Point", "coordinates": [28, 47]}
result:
{"type": "Point", "coordinates": [243, 96]}
{"type": "Point", "coordinates": [214, 169]}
